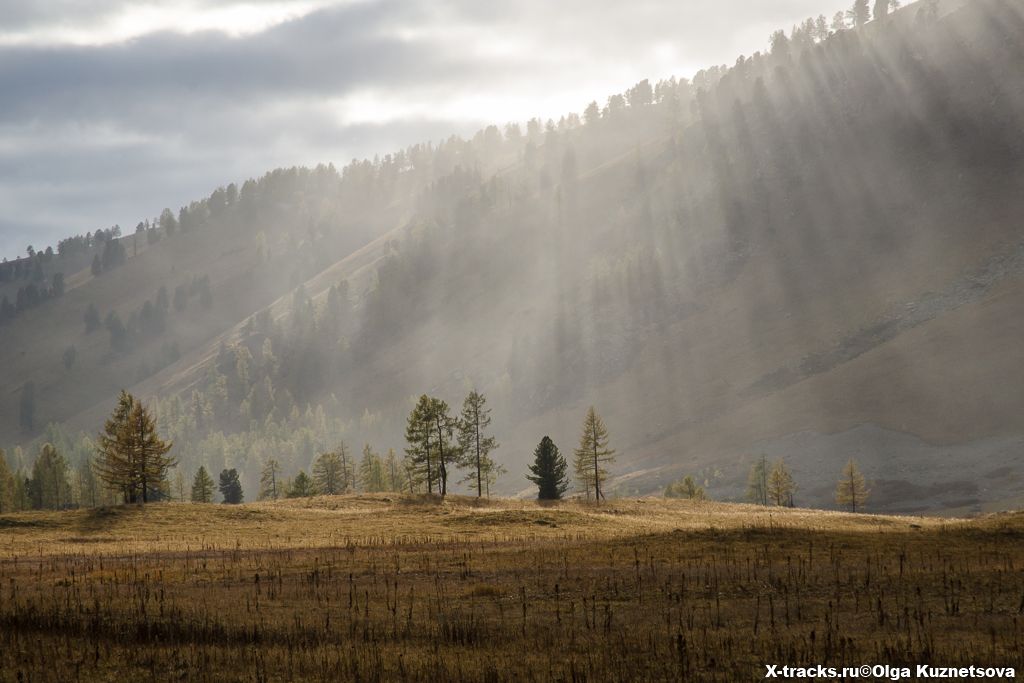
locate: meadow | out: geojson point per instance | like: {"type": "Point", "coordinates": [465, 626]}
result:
{"type": "Point", "coordinates": [385, 587]}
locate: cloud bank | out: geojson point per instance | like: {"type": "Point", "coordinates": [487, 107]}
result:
{"type": "Point", "coordinates": [114, 111]}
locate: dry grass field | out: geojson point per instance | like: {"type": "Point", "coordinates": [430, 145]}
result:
{"type": "Point", "coordinates": [380, 587]}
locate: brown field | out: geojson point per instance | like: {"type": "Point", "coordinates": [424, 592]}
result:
{"type": "Point", "coordinates": [396, 588]}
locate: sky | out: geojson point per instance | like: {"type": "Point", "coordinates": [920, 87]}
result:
{"type": "Point", "coordinates": [111, 110]}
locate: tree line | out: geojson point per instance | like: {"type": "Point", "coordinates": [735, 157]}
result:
{"type": "Point", "coordinates": [775, 485]}
{"type": "Point", "coordinates": [133, 463]}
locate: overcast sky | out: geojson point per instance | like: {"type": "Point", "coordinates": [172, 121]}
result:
{"type": "Point", "coordinates": [111, 110]}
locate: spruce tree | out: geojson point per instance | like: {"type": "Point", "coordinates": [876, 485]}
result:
{"type": "Point", "coordinates": [548, 471]}
{"type": "Point", "coordinates": [302, 486]}
{"type": "Point", "coordinates": [202, 487]}
{"type": "Point", "coordinates": [592, 454]}
{"type": "Point", "coordinates": [230, 487]}
{"type": "Point", "coordinates": [474, 445]}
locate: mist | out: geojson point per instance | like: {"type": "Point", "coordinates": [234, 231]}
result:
{"type": "Point", "coordinates": [448, 341]}
{"type": "Point", "coordinates": [769, 258]}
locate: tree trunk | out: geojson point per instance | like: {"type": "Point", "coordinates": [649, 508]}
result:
{"type": "Point", "coordinates": [479, 487]}
{"type": "Point", "coordinates": [441, 469]}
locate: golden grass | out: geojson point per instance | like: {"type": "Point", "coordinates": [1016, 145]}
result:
{"type": "Point", "coordinates": [383, 587]}
{"type": "Point", "coordinates": [390, 519]}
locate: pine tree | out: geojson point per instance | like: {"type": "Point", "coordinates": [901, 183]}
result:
{"type": "Point", "coordinates": [230, 487]}
{"type": "Point", "coordinates": [859, 13]}
{"type": "Point", "coordinates": [328, 474]}
{"type": "Point", "coordinates": [757, 482]}
{"type": "Point", "coordinates": [881, 10]}
{"type": "Point", "coordinates": [548, 471]}
{"type": "Point", "coordinates": [852, 490]}
{"type": "Point", "coordinates": [202, 487]}
{"type": "Point", "coordinates": [780, 485]}
{"type": "Point", "coordinates": [132, 457]}
{"type": "Point", "coordinates": [475, 447]}
{"type": "Point", "coordinates": [302, 486]}
{"type": "Point", "coordinates": [270, 480]}
{"type": "Point", "coordinates": [592, 453]}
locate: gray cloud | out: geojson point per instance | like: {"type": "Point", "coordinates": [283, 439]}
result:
{"type": "Point", "coordinates": [93, 135]}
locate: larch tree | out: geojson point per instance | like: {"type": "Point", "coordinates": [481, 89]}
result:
{"type": "Point", "coordinates": [442, 425]}
{"type": "Point", "coordinates": [202, 486]}
{"type": "Point", "coordinates": [393, 471]}
{"type": "Point", "coordinates": [328, 474]}
{"type": "Point", "coordinates": [757, 482]}
{"type": "Point", "coordinates": [474, 445]}
{"type": "Point", "coordinates": [179, 485]}
{"type": "Point", "coordinates": [49, 487]}
{"type": "Point", "coordinates": [592, 454]}
{"type": "Point", "coordinates": [491, 477]}
{"type": "Point", "coordinates": [132, 457]}
{"type": "Point", "coordinates": [548, 471]}
{"type": "Point", "coordinates": [371, 471]}
{"type": "Point", "coordinates": [429, 433]}
{"type": "Point", "coordinates": [685, 488]}
{"type": "Point", "coordinates": [6, 485]}
{"type": "Point", "coordinates": [781, 486]}
{"type": "Point", "coordinates": [270, 480]}
{"type": "Point", "coordinates": [852, 490]}
{"type": "Point", "coordinates": [418, 438]}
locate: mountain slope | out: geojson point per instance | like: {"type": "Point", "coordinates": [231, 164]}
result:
{"type": "Point", "coordinates": [814, 254]}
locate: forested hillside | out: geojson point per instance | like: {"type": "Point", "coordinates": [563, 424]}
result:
{"type": "Point", "coordinates": [815, 253]}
